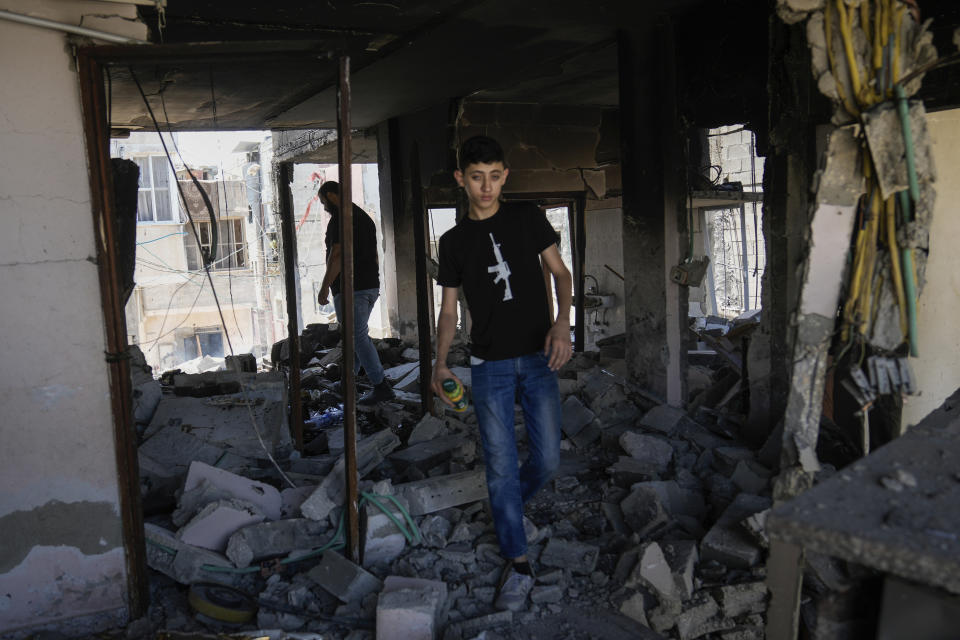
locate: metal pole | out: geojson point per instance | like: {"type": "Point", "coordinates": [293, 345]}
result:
{"type": "Point", "coordinates": [97, 132]}
{"type": "Point", "coordinates": [68, 28]}
{"type": "Point", "coordinates": [289, 237]}
{"type": "Point", "coordinates": [349, 386]}
{"type": "Point", "coordinates": [423, 281]}
{"type": "Point", "coordinates": [580, 253]}
{"type": "Point", "coordinates": [744, 257]}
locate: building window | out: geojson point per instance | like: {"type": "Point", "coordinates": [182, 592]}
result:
{"type": "Point", "coordinates": [204, 342]}
{"type": "Point", "coordinates": [231, 248]}
{"type": "Point", "coordinates": [154, 203]}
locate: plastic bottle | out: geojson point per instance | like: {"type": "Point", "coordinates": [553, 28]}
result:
{"type": "Point", "coordinates": [454, 391]}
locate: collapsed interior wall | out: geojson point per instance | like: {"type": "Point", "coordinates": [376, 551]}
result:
{"type": "Point", "coordinates": [63, 553]}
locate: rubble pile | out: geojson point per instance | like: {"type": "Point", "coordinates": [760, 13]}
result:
{"type": "Point", "coordinates": [655, 519]}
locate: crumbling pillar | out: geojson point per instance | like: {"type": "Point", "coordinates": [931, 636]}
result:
{"type": "Point", "coordinates": [654, 223]}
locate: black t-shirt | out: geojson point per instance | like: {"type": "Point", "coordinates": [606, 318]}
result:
{"type": "Point", "coordinates": [366, 265]}
{"type": "Point", "coordinates": [505, 293]}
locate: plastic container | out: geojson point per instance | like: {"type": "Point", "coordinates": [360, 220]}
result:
{"type": "Point", "coordinates": [454, 391]}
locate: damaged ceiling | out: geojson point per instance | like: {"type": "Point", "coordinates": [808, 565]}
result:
{"type": "Point", "coordinates": [262, 67]}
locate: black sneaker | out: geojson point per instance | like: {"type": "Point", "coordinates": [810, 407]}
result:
{"type": "Point", "coordinates": [380, 393]}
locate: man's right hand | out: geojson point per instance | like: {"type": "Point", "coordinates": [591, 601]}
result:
{"type": "Point", "coordinates": [323, 297]}
{"type": "Point", "coordinates": [440, 373]}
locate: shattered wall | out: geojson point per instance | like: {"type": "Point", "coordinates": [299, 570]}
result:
{"type": "Point", "coordinates": [938, 375]}
{"type": "Point", "coordinates": [62, 554]}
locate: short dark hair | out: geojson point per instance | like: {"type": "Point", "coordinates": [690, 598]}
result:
{"type": "Point", "coordinates": [329, 186]}
{"type": "Point", "coordinates": [480, 149]}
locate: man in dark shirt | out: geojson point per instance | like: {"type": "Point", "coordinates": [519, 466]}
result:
{"type": "Point", "coordinates": [366, 287]}
{"type": "Point", "coordinates": [495, 254]}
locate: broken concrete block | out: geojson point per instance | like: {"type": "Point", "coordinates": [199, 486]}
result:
{"type": "Point", "coordinates": [435, 531]}
{"type": "Point", "coordinates": [213, 525]}
{"type": "Point", "coordinates": [429, 428]}
{"type": "Point", "coordinates": [182, 562]}
{"type": "Point", "coordinates": [587, 436]}
{"type": "Point", "coordinates": [693, 617]}
{"type": "Point", "coordinates": [749, 478]}
{"type": "Point", "coordinates": [271, 539]}
{"type": "Point", "coordinates": [428, 454]}
{"type": "Point", "coordinates": [467, 629]}
{"type": "Point", "coordinates": [664, 419]}
{"type": "Point", "coordinates": [546, 594]}
{"type": "Point", "coordinates": [635, 607]}
{"type": "Point", "coordinates": [612, 397]}
{"type": "Point", "coordinates": [648, 450]}
{"type": "Point", "coordinates": [382, 540]}
{"type": "Point", "coordinates": [644, 512]}
{"type": "Point", "coordinates": [619, 415]}
{"type": "Point", "coordinates": [410, 608]}
{"type": "Point", "coordinates": [575, 416]}
{"type": "Point", "coordinates": [566, 554]}
{"type": "Point", "coordinates": [726, 542]}
{"type": "Point", "coordinates": [291, 499]}
{"type": "Point", "coordinates": [628, 471]}
{"type": "Point", "coordinates": [261, 495]}
{"type": "Point", "coordinates": [371, 451]}
{"type": "Point", "coordinates": [756, 526]}
{"type": "Point", "coordinates": [653, 571]}
{"type": "Point", "coordinates": [675, 499]}
{"type": "Point", "coordinates": [682, 556]}
{"type": "Point", "coordinates": [741, 599]}
{"type": "Point", "coordinates": [442, 492]}
{"type": "Point", "coordinates": [346, 581]}
{"type": "Point", "coordinates": [725, 459]}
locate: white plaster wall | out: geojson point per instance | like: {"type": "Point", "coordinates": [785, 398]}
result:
{"type": "Point", "coordinates": [57, 424]}
{"type": "Point", "coordinates": [937, 368]}
{"type": "Point", "coordinates": [605, 246]}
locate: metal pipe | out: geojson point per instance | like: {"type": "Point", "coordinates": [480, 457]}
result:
{"type": "Point", "coordinates": [744, 257]}
{"type": "Point", "coordinates": [68, 28]}
{"type": "Point", "coordinates": [423, 280]}
{"type": "Point", "coordinates": [580, 257]}
{"type": "Point", "coordinates": [289, 238]}
{"type": "Point", "coordinates": [347, 330]}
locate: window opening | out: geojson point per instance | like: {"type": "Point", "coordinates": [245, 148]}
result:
{"type": "Point", "coordinates": [154, 203]}
{"type": "Point", "coordinates": [231, 246]}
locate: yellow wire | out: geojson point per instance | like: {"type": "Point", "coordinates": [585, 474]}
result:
{"type": "Point", "coordinates": [900, 11]}
{"type": "Point", "coordinates": [847, 35]}
{"type": "Point", "coordinates": [891, 208]}
{"type": "Point", "coordinates": [828, 33]}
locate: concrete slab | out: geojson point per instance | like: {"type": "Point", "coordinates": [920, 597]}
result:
{"type": "Point", "coordinates": [575, 416]}
{"type": "Point", "coordinates": [213, 525]}
{"type": "Point", "coordinates": [651, 451]}
{"type": "Point", "coordinates": [442, 492]}
{"type": "Point", "coordinates": [271, 539]}
{"type": "Point", "coordinates": [429, 428]}
{"type": "Point", "coordinates": [343, 579]}
{"type": "Point", "coordinates": [410, 608]}
{"type": "Point", "coordinates": [263, 496]}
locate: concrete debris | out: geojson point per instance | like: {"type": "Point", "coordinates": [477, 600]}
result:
{"type": "Point", "coordinates": [741, 599]}
{"type": "Point", "coordinates": [663, 419]}
{"type": "Point", "coordinates": [213, 525]}
{"type": "Point", "coordinates": [635, 607]}
{"type": "Point", "coordinates": [682, 557]}
{"type": "Point", "coordinates": [435, 494]}
{"type": "Point", "coordinates": [575, 416]}
{"type": "Point", "coordinates": [690, 623]}
{"type": "Point", "coordinates": [272, 539]}
{"type": "Point", "coordinates": [382, 540]}
{"type": "Point", "coordinates": [644, 512]}
{"type": "Point", "coordinates": [650, 451]}
{"type": "Point", "coordinates": [410, 609]}
{"type": "Point", "coordinates": [371, 451]}
{"type": "Point", "coordinates": [429, 428]}
{"type": "Point", "coordinates": [727, 542]}
{"type": "Point", "coordinates": [653, 571]}
{"type": "Point", "coordinates": [341, 578]}
{"type": "Point", "coordinates": [429, 453]}
{"type": "Point", "coordinates": [263, 496]}
{"type": "Point", "coordinates": [575, 556]}
{"type": "Point", "coordinates": [182, 562]}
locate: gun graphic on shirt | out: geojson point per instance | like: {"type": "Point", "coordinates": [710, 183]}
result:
{"type": "Point", "coordinates": [501, 269]}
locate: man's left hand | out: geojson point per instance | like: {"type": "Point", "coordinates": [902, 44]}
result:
{"type": "Point", "coordinates": [557, 346]}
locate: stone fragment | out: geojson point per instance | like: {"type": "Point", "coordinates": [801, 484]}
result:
{"type": "Point", "coordinates": [620, 415]}
{"type": "Point", "coordinates": [693, 617]}
{"type": "Point", "coordinates": [664, 419]}
{"type": "Point", "coordinates": [650, 451]}
{"type": "Point", "coordinates": [182, 562]}
{"type": "Point", "coordinates": [587, 436]}
{"type": "Point", "coordinates": [271, 539]}
{"type": "Point", "coordinates": [653, 571]}
{"type": "Point", "coordinates": [682, 557]}
{"type": "Point", "coordinates": [635, 607]}
{"type": "Point", "coordinates": [427, 429]}
{"type": "Point", "coordinates": [744, 633]}
{"type": "Point", "coordinates": [468, 629]}
{"type": "Point", "coordinates": [442, 492]}
{"type": "Point", "coordinates": [544, 594]}
{"type": "Point", "coordinates": [644, 512]}
{"type": "Point", "coordinates": [612, 397]}
{"type": "Point", "coordinates": [628, 471]}
{"type": "Point", "coordinates": [346, 581]}
{"type": "Point", "coordinates": [382, 540]}
{"type": "Point", "coordinates": [427, 454]}
{"type": "Point", "coordinates": [261, 495]}
{"type": "Point", "coordinates": [729, 544]}
{"type": "Point", "coordinates": [291, 499]}
{"type": "Point", "coordinates": [675, 499]}
{"type": "Point", "coordinates": [756, 526]}
{"type": "Point", "coordinates": [435, 531]}
{"type": "Point", "coordinates": [213, 525]}
{"type": "Point", "coordinates": [740, 599]}
{"type": "Point", "coordinates": [410, 608]}
{"type": "Point", "coordinates": [575, 416]}
{"type": "Point", "coordinates": [748, 478]}
{"type": "Point", "coordinates": [725, 459]}
{"type": "Point", "coordinates": [371, 451]}
{"type": "Point", "coordinates": [566, 554]}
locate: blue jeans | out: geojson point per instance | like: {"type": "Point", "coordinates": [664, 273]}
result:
{"type": "Point", "coordinates": [364, 352]}
{"type": "Point", "coordinates": [495, 385]}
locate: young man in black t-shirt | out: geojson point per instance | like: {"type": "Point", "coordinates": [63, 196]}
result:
{"type": "Point", "coordinates": [366, 287]}
{"type": "Point", "coordinates": [495, 254]}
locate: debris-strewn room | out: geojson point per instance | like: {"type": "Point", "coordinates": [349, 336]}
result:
{"type": "Point", "coordinates": [642, 324]}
